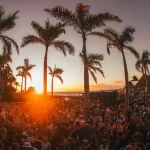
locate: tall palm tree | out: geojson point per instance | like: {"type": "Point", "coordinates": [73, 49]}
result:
{"type": "Point", "coordinates": [5, 59]}
{"type": "Point", "coordinates": [16, 84]}
{"type": "Point", "coordinates": [7, 22]}
{"type": "Point", "coordinates": [84, 23]}
{"type": "Point", "coordinates": [22, 75]}
{"type": "Point", "coordinates": [94, 64]}
{"type": "Point", "coordinates": [142, 66]}
{"type": "Point", "coordinates": [8, 77]}
{"type": "Point", "coordinates": [56, 72]}
{"type": "Point", "coordinates": [121, 42]}
{"type": "Point", "coordinates": [26, 68]}
{"type": "Point", "coordinates": [48, 37]}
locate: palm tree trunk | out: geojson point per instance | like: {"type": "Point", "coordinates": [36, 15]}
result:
{"type": "Point", "coordinates": [25, 83]}
{"type": "Point", "coordinates": [52, 86]}
{"type": "Point", "coordinates": [126, 81]}
{"type": "Point", "coordinates": [86, 80]}
{"type": "Point", "coordinates": [21, 84]}
{"type": "Point", "coordinates": [45, 72]}
{"type": "Point", "coordinates": [146, 83]}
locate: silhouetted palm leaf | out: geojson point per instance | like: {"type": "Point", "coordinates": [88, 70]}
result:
{"type": "Point", "coordinates": [7, 22]}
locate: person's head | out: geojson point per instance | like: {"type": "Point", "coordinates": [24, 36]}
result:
{"type": "Point", "coordinates": [83, 123]}
{"type": "Point", "coordinates": [129, 147]}
{"type": "Point", "coordinates": [24, 134]}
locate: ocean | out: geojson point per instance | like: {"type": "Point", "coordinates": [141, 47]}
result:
{"type": "Point", "coordinates": [79, 93]}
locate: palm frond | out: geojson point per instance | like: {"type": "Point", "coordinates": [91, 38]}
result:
{"type": "Point", "coordinates": [31, 39]}
{"type": "Point", "coordinates": [58, 71]}
{"type": "Point", "coordinates": [31, 66]}
{"type": "Point", "coordinates": [29, 75]}
{"type": "Point", "coordinates": [97, 57]}
{"type": "Point", "coordinates": [38, 29]}
{"type": "Point", "coordinates": [108, 48]}
{"type": "Point", "coordinates": [20, 68]}
{"type": "Point", "coordinates": [133, 51]}
{"type": "Point", "coordinates": [145, 55]}
{"type": "Point", "coordinates": [112, 33]}
{"type": "Point", "coordinates": [93, 76]}
{"type": "Point", "coordinates": [7, 22]}
{"type": "Point", "coordinates": [126, 35]}
{"type": "Point", "coordinates": [93, 21]}
{"type": "Point", "coordinates": [100, 71]}
{"type": "Point", "coordinates": [60, 78]}
{"type": "Point", "coordinates": [99, 34]}
{"type": "Point", "coordinates": [50, 70]}
{"type": "Point", "coordinates": [63, 14]}
{"type": "Point", "coordinates": [138, 65]}
{"type": "Point", "coordinates": [64, 47]}
{"type": "Point", "coordinates": [10, 40]}
{"type": "Point", "coordinates": [7, 46]}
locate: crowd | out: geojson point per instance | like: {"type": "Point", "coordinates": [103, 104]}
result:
{"type": "Point", "coordinates": [43, 126]}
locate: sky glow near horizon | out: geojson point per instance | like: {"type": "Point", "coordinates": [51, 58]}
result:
{"type": "Point", "coordinates": [134, 13]}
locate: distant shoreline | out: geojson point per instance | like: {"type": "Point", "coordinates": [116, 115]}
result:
{"type": "Point", "coordinates": [79, 93]}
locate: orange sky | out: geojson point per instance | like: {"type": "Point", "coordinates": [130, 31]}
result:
{"type": "Point", "coordinates": [134, 13]}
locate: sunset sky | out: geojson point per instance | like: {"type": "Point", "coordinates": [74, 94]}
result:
{"type": "Point", "coordinates": [133, 12]}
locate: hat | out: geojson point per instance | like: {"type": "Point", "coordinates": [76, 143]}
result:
{"type": "Point", "coordinates": [27, 145]}
{"type": "Point", "coordinates": [24, 134]}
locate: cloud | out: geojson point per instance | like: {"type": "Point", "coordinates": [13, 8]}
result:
{"type": "Point", "coordinates": [118, 81]}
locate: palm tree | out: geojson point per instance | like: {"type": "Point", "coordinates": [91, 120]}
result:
{"type": "Point", "coordinates": [8, 77]}
{"type": "Point", "coordinates": [56, 72]}
{"type": "Point", "coordinates": [22, 75]}
{"type": "Point", "coordinates": [7, 22]}
{"type": "Point", "coordinates": [25, 69]}
{"type": "Point", "coordinates": [121, 42]}
{"type": "Point", "coordinates": [84, 24]}
{"type": "Point", "coordinates": [48, 36]}
{"type": "Point", "coordinates": [16, 84]}
{"type": "Point", "coordinates": [142, 66]}
{"type": "Point", "coordinates": [5, 59]}
{"type": "Point", "coordinates": [94, 64]}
